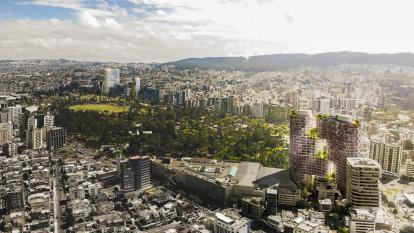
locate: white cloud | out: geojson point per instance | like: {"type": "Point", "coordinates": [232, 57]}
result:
{"type": "Point", "coordinates": [70, 4]}
{"type": "Point", "coordinates": [87, 19]}
{"type": "Point", "coordinates": [163, 30]}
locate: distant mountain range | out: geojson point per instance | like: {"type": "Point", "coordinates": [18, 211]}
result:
{"type": "Point", "coordinates": [284, 61]}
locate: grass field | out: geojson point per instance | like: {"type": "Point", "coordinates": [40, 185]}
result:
{"type": "Point", "coordinates": [99, 108]}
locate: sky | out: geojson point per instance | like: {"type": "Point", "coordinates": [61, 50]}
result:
{"type": "Point", "coordinates": [168, 30]}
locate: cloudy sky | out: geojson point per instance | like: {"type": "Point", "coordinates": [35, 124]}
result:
{"type": "Point", "coordinates": [166, 30]}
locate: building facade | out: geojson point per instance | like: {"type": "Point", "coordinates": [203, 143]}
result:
{"type": "Point", "coordinates": [55, 138]}
{"type": "Point", "coordinates": [361, 221]}
{"type": "Point", "coordinates": [342, 136]}
{"type": "Point", "coordinates": [388, 155]}
{"type": "Point", "coordinates": [271, 201]}
{"type": "Point", "coordinates": [135, 173]}
{"type": "Point", "coordinates": [111, 79]}
{"type": "Point", "coordinates": [363, 183]}
{"type": "Point", "coordinates": [224, 224]}
{"type": "Point", "coordinates": [6, 133]}
{"type": "Point", "coordinates": [305, 145]}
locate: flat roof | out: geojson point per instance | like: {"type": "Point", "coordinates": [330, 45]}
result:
{"type": "Point", "coordinates": [305, 227]}
{"type": "Point", "coordinates": [298, 220]}
{"type": "Point", "coordinates": [223, 218]}
{"type": "Point", "coordinates": [325, 202]}
{"type": "Point", "coordinates": [247, 173]}
{"type": "Point", "coordinates": [362, 213]}
{"type": "Point", "coordinates": [271, 191]}
{"type": "Point", "coordinates": [270, 177]}
{"type": "Point", "coordinates": [345, 118]}
{"type": "Point", "coordinates": [304, 112]}
{"type": "Point", "coordinates": [410, 198]}
{"type": "Point", "coordinates": [362, 162]}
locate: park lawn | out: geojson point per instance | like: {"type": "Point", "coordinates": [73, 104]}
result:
{"type": "Point", "coordinates": [99, 108]}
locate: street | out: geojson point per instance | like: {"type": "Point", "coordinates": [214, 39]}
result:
{"type": "Point", "coordinates": [56, 199]}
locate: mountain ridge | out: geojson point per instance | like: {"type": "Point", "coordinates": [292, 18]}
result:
{"type": "Point", "coordinates": [293, 60]}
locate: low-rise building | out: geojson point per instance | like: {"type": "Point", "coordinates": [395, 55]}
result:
{"type": "Point", "coordinates": [252, 207]}
{"type": "Point", "coordinates": [225, 224]}
{"type": "Point", "coordinates": [288, 196]}
{"type": "Point", "coordinates": [325, 205]}
{"type": "Point", "coordinates": [362, 220]}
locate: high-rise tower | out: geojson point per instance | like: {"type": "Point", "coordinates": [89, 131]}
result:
{"type": "Point", "coordinates": [362, 183]}
{"type": "Point", "coordinates": [388, 155]}
{"type": "Point", "coordinates": [135, 173]}
{"type": "Point", "coordinates": [306, 148]}
{"type": "Point", "coordinates": [342, 135]}
{"type": "Point", "coordinates": [110, 80]}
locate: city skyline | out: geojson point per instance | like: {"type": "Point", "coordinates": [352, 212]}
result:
{"type": "Point", "coordinates": [206, 116]}
{"type": "Point", "coordinates": [160, 30]}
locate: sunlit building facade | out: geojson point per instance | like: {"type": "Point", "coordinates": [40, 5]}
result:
{"type": "Point", "coordinates": [111, 79]}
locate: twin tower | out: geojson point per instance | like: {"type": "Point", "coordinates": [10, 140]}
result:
{"type": "Point", "coordinates": [320, 146]}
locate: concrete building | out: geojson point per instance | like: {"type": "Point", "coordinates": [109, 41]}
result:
{"type": "Point", "coordinates": [325, 205]}
{"type": "Point", "coordinates": [10, 149]}
{"type": "Point", "coordinates": [388, 155]}
{"type": "Point", "coordinates": [217, 182]}
{"type": "Point", "coordinates": [271, 201]}
{"type": "Point", "coordinates": [361, 221]}
{"type": "Point", "coordinates": [288, 196]}
{"type": "Point", "coordinates": [135, 173]}
{"type": "Point", "coordinates": [322, 105]}
{"type": "Point", "coordinates": [252, 207]}
{"type": "Point", "coordinates": [342, 135]}
{"type": "Point", "coordinates": [224, 224]}
{"type": "Point", "coordinates": [137, 86]}
{"type": "Point", "coordinates": [306, 227]}
{"type": "Point", "coordinates": [6, 133]}
{"type": "Point", "coordinates": [111, 79]}
{"type": "Point", "coordinates": [35, 138]}
{"type": "Point", "coordinates": [55, 138]}
{"type": "Point", "coordinates": [348, 104]}
{"type": "Point", "coordinates": [14, 198]}
{"type": "Point", "coordinates": [257, 110]}
{"type": "Point", "coordinates": [4, 116]}
{"type": "Point", "coordinates": [363, 183]}
{"type": "Point", "coordinates": [326, 189]}
{"type": "Point", "coordinates": [409, 168]}
{"type": "Point", "coordinates": [14, 114]}
{"type": "Point", "coordinates": [41, 121]}
{"type": "Point", "coordinates": [49, 120]}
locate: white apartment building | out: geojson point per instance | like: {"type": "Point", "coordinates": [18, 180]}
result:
{"type": "Point", "coordinates": [224, 224]}
{"type": "Point", "coordinates": [388, 155]}
{"type": "Point", "coordinates": [363, 182]}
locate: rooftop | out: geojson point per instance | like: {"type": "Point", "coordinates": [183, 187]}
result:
{"type": "Point", "coordinates": [345, 118]}
{"type": "Point", "coordinates": [305, 112]}
{"type": "Point", "coordinates": [223, 218]}
{"type": "Point", "coordinates": [410, 198]}
{"type": "Point", "coordinates": [247, 173]}
{"type": "Point", "coordinates": [363, 214]}
{"type": "Point", "coordinates": [362, 162]}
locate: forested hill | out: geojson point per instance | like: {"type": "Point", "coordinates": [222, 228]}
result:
{"type": "Point", "coordinates": [283, 61]}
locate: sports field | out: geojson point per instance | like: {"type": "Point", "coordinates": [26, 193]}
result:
{"type": "Point", "coordinates": [105, 108]}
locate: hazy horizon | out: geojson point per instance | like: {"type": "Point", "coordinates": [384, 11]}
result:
{"type": "Point", "coordinates": [162, 31]}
